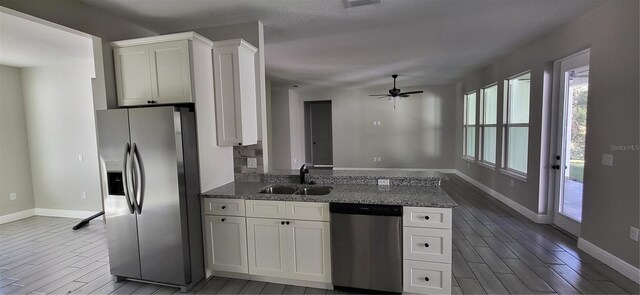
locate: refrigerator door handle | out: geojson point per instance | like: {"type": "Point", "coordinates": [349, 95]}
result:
{"type": "Point", "coordinates": [139, 174]}
{"type": "Point", "coordinates": [125, 180]}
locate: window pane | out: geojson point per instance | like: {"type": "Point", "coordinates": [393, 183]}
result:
{"type": "Point", "coordinates": [518, 145]}
{"type": "Point", "coordinates": [470, 150]}
{"type": "Point", "coordinates": [489, 145]}
{"type": "Point", "coordinates": [519, 91]}
{"type": "Point", "coordinates": [490, 97]}
{"type": "Point", "coordinates": [471, 108]}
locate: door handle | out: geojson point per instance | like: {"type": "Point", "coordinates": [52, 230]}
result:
{"type": "Point", "coordinates": [557, 167]}
{"type": "Point", "coordinates": [125, 179]}
{"type": "Point", "coordinates": [140, 181]}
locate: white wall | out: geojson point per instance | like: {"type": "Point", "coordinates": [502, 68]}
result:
{"type": "Point", "coordinates": [418, 134]}
{"type": "Point", "coordinates": [281, 128]}
{"type": "Point", "coordinates": [296, 130]}
{"type": "Point", "coordinates": [15, 163]}
{"type": "Point", "coordinates": [611, 199]}
{"type": "Point", "coordinates": [61, 126]}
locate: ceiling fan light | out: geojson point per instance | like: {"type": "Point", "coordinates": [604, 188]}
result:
{"type": "Point", "coordinates": [354, 3]}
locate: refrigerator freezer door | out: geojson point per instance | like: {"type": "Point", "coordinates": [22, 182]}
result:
{"type": "Point", "coordinates": [122, 236]}
{"type": "Point", "coordinates": [162, 218]}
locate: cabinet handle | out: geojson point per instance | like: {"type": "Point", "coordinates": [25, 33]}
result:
{"type": "Point", "coordinates": [288, 222]}
{"type": "Point", "coordinates": [223, 219]}
{"type": "Point", "coordinates": [282, 222]}
{"type": "Point", "coordinates": [426, 279]}
{"type": "Point", "coordinates": [426, 217]}
{"type": "Point", "coordinates": [151, 101]}
{"type": "Point", "coordinates": [224, 207]}
{"type": "Point", "coordinates": [426, 245]}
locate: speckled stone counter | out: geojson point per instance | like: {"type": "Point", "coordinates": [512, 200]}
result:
{"type": "Point", "coordinates": [364, 177]}
{"type": "Point", "coordinates": [415, 196]}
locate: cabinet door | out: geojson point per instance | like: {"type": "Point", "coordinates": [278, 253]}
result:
{"type": "Point", "coordinates": [267, 247]}
{"type": "Point", "coordinates": [226, 243]}
{"type": "Point", "coordinates": [227, 92]}
{"type": "Point", "coordinates": [309, 254]}
{"type": "Point", "coordinates": [133, 75]}
{"type": "Point", "coordinates": [171, 72]}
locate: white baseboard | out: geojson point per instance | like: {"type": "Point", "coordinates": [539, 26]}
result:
{"type": "Point", "coordinates": [16, 216]}
{"type": "Point", "coordinates": [535, 217]}
{"type": "Point", "coordinates": [396, 169]}
{"type": "Point", "coordinates": [609, 259]}
{"type": "Point", "coordinates": [64, 213]}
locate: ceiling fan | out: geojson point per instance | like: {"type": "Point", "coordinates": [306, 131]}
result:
{"type": "Point", "coordinates": [396, 94]}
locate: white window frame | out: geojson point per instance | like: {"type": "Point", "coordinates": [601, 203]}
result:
{"type": "Point", "coordinates": [482, 125]}
{"type": "Point", "coordinates": [466, 126]}
{"type": "Point", "coordinates": [507, 124]}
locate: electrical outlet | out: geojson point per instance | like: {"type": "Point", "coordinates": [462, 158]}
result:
{"type": "Point", "coordinates": [379, 123]}
{"type": "Point", "coordinates": [13, 196]}
{"type": "Point", "coordinates": [633, 233]}
{"type": "Point", "coordinates": [384, 182]}
{"type": "Point", "coordinates": [379, 159]}
{"type": "Point", "coordinates": [607, 159]}
{"type": "Point", "coordinates": [80, 157]}
{"type": "Point", "coordinates": [512, 183]}
{"type": "Point", "coordinates": [252, 162]}
{"type": "Point", "coordinates": [84, 195]}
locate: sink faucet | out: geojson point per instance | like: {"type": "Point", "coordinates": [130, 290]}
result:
{"type": "Point", "coordinates": [303, 171]}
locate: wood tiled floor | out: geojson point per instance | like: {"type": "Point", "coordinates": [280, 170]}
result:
{"type": "Point", "coordinates": [496, 251]}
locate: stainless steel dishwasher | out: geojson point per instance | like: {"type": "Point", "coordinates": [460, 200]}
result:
{"type": "Point", "coordinates": [366, 247]}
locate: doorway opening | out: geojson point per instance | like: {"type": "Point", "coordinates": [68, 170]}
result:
{"type": "Point", "coordinates": [571, 127]}
{"type": "Point", "coordinates": [318, 134]}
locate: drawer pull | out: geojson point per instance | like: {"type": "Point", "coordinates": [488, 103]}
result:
{"type": "Point", "coordinates": [223, 207]}
{"type": "Point", "coordinates": [426, 279]}
{"type": "Point", "coordinates": [288, 222]}
{"type": "Point", "coordinates": [426, 245]}
{"type": "Point", "coordinates": [282, 222]}
{"type": "Point", "coordinates": [223, 219]}
{"type": "Point", "coordinates": [426, 217]}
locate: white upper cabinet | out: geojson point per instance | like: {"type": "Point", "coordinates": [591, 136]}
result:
{"type": "Point", "coordinates": [235, 92]}
{"type": "Point", "coordinates": [156, 70]}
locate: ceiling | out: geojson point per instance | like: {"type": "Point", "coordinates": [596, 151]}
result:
{"type": "Point", "coordinates": [320, 44]}
{"type": "Point", "coordinates": [26, 43]}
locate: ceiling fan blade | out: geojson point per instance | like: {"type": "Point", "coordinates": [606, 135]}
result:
{"type": "Point", "coordinates": [412, 92]}
{"type": "Point", "coordinates": [404, 95]}
{"type": "Point", "coordinates": [378, 94]}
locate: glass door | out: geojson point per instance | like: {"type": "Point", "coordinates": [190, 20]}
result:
{"type": "Point", "coordinates": [571, 126]}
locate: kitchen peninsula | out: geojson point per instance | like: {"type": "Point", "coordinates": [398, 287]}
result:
{"type": "Point", "coordinates": [279, 230]}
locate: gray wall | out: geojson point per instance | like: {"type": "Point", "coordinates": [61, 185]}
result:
{"type": "Point", "coordinates": [280, 128]}
{"type": "Point", "coordinates": [60, 126]}
{"type": "Point", "coordinates": [418, 134]}
{"type": "Point", "coordinates": [15, 163]}
{"type": "Point", "coordinates": [611, 199]}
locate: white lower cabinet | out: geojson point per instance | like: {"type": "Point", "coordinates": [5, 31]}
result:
{"type": "Point", "coordinates": [226, 241]}
{"type": "Point", "coordinates": [291, 249]}
{"type": "Point", "coordinates": [426, 250]}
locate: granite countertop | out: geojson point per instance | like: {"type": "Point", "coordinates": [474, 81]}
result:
{"type": "Point", "coordinates": [415, 196]}
{"type": "Point", "coordinates": [365, 177]}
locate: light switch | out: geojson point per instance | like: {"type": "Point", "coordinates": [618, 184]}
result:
{"type": "Point", "coordinates": [607, 159]}
{"type": "Point", "coordinates": [13, 196]}
{"type": "Point", "coordinates": [80, 157]}
{"type": "Point", "coordinates": [252, 162]}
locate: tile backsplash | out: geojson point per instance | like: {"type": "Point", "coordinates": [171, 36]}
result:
{"type": "Point", "coordinates": [242, 172]}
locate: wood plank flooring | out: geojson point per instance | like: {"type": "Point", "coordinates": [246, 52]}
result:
{"type": "Point", "coordinates": [496, 251]}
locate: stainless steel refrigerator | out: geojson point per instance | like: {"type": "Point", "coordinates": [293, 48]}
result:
{"type": "Point", "coordinates": [149, 169]}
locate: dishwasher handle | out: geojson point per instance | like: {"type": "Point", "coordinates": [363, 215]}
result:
{"type": "Point", "coordinates": [365, 209]}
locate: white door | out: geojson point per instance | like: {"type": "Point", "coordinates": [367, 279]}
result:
{"type": "Point", "coordinates": [133, 75]}
{"type": "Point", "coordinates": [570, 125]}
{"type": "Point", "coordinates": [226, 243]}
{"type": "Point", "coordinates": [170, 68]}
{"type": "Point", "coordinates": [309, 250]}
{"type": "Point", "coordinates": [267, 247]}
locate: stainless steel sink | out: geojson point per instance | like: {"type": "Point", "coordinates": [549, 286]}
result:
{"type": "Point", "coordinates": [282, 189]}
{"type": "Point", "coordinates": [315, 190]}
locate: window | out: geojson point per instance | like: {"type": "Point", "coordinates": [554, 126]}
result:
{"type": "Point", "coordinates": [470, 125]}
{"type": "Point", "coordinates": [516, 127]}
{"type": "Point", "coordinates": [488, 124]}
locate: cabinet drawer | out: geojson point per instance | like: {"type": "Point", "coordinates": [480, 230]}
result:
{"type": "Point", "coordinates": [229, 207]}
{"type": "Point", "coordinates": [426, 277]}
{"type": "Point", "coordinates": [426, 217]}
{"type": "Point", "coordinates": [266, 209]}
{"type": "Point", "coordinates": [427, 244]}
{"type": "Point", "coordinates": [307, 211]}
